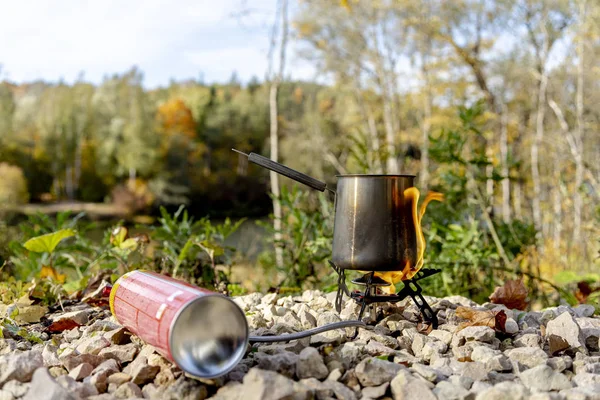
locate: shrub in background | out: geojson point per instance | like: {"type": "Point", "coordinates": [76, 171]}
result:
{"type": "Point", "coordinates": [13, 185]}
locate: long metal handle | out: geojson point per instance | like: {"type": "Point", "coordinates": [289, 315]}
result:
{"type": "Point", "coordinates": [286, 171]}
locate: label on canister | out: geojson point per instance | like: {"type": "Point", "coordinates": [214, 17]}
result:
{"type": "Point", "coordinates": [203, 332]}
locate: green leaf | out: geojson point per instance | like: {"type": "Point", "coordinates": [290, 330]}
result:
{"type": "Point", "coordinates": [48, 242]}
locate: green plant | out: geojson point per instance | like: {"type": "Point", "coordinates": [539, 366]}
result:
{"type": "Point", "coordinates": [306, 236]}
{"type": "Point", "coordinates": [475, 251]}
{"type": "Point", "coordinates": [195, 250]}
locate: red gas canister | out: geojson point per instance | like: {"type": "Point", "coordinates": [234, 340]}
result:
{"type": "Point", "coordinates": [204, 333]}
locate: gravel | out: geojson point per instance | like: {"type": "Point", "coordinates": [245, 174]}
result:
{"type": "Point", "coordinates": [392, 358]}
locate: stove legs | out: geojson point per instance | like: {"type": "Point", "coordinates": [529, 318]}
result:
{"type": "Point", "coordinates": [411, 288]}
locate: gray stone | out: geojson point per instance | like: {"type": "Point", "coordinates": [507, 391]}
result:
{"type": "Point", "coordinates": [475, 370]}
{"type": "Point", "coordinates": [121, 353]}
{"type": "Point", "coordinates": [81, 371]}
{"type": "Point", "coordinates": [479, 387]}
{"type": "Point", "coordinates": [368, 336]}
{"type": "Point", "coordinates": [72, 334]}
{"type": "Point", "coordinates": [460, 380]}
{"type": "Point", "coordinates": [19, 366]}
{"type": "Point", "coordinates": [584, 310]}
{"type": "Point", "coordinates": [7, 346]}
{"type": "Point", "coordinates": [579, 393]}
{"type": "Point", "coordinates": [140, 371]}
{"type": "Point", "coordinates": [73, 360]}
{"type": "Point", "coordinates": [544, 378]}
{"type": "Point", "coordinates": [405, 387]}
{"type": "Point", "coordinates": [483, 353]}
{"type": "Point", "coordinates": [118, 336]}
{"type": "Point", "coordinates": [565, 326]}
{"type": "Point", "coordinates": [375, 372]}
{"type": "Point", "coordinates": [15, 388]}
{"type": "Point", "coordinates": [118, 378]}
{"type": "Point", "coordinates": [128, 390]}
{"type": "Point", "coordinates": [80, 316]}
{"type": "Point", "coordinates": [426, 372]}
{"type": "Point", "coordinates": [349, 354]}
{"type": "Point", "coordinates": [260, 384]}
{"type": "Point", "coordinates": [441, 335]}
{"type": "Point", "coordinates": [560, 364]}
{"type": "Point", "coordinates": [475, 333]}
{"type": "Point", "coordinates": [332, 336]}
{"type": "Point", "coordinates": [310, 364]}
{"type": "Point", "coordinates": [546, 396]}
{"type": "Point", "coordinates": [511, 327]}
{"type": "Point", "coordinates": [50, 356]}
{"type": "Point", "coordinates": [283, 363]}
{"type": "Point", "coordinates": [184, 389]}
{"type": "Point", "coordinates": [374, 348]}
{"type": "Point", "coordinates": [374, 392]}
{"type": "Point", "coordinates": [335, 375]}
{"type": "Point", "coordinates": [418, 342]}
{"type": "Point", "coordinates": [78, 389]}
{"type": "Point", "coordinates": [449, 391]}
{"type": "Point", "coordinates": [321, 390]}
{"type": "Point", "coordinates": [528, 340]}
{"type": "Point", "coordinates": [504, 390]}
{"type": "Point", "coordinates": [92, 345]}
{"type": "Point", "coordinates": [340, 390]}
{"type": "Point", "coordinates": [433, 349]}
{"type": "Point", "coordinates": [44, 387]}
{"type": "Point", "coordinates": [527, 356]}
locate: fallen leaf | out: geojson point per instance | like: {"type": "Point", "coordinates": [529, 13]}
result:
{"type": "Point", "coordinates": [513, 294]}
{"type": "Point", "coordinates": [494, 320]}
{"type": "Point", "coordinates": [49, 272]}
{"type": "Point", "coordinates": [62, 325]}
{"type": "Point", "coordinates": [476, 317]}
{"type": "Point", "coordinates": [30, 314]}
{"type": "Point", "coordinates": [99, 297]}
{"type": "Point", "coordinates": [500, 321]}
{"type": "Point", "coordinates": [557, 344]}
{"type": "Point", "coordinates": [424, 328]}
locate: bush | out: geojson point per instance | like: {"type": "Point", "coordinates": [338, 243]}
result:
{"type": "Point", "coordinates": [13, 185]}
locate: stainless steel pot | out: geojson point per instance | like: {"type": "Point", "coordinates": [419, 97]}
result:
{"type": "Point", "coordinates": [374, 229]}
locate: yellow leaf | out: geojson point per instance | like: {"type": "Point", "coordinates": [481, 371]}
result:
{"type": "Point", "coordinates": [49, 272]}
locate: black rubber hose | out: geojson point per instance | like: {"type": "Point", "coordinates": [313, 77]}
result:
{"type": "Point", "coordinates": [307, 333]}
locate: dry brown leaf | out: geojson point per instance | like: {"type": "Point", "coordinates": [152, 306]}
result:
{"type": "Point", "coordinates": [494, 320]}
{"type": "Point", "coordinates": [476, 317]}
{"type": "Point", "coordinates": [62, 325]}
{"type": "Point", "coordinates": [557, 344]}
{"type": "Point", "coordinates": [424, 328]}
{"type": "Point", "coordinates": [513, 294]}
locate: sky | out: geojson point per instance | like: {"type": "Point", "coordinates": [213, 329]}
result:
{"type": "Point", "coordinates": [166, 39]}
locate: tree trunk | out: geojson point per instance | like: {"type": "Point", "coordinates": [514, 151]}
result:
{"type": "Point", "coordinates": [579, 167]}
{"type": "Point", "coordinates": [274, 177]}
{"type": "Point", "coordinates": [517, 203]}
{"type": "Point", "coordinates": [535, 147]}
{"type": "Point", "coordinates": [557, 207]}
{"type": "Point", "coordinates": [425, 129]}
{"type": "Point", "coordinates": [505, 170]}
{"type": "Point", "coordinates": [274, 134]}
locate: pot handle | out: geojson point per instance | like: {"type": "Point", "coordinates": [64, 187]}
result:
{"type": "Point", "coordinates": [286, 171]}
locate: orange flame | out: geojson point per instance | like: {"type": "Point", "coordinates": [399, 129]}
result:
{"type": "Point", "coordinates": [409, 271]}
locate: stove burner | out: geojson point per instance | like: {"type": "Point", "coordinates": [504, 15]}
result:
{"type": "Point", "coordinates": [371, 294]}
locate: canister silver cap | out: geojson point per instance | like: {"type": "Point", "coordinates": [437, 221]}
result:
{"type": "Point", "coordinates": [209, 336]}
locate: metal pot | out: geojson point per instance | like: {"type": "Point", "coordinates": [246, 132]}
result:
{"type": "Point", "coordinates": [374, 228]}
